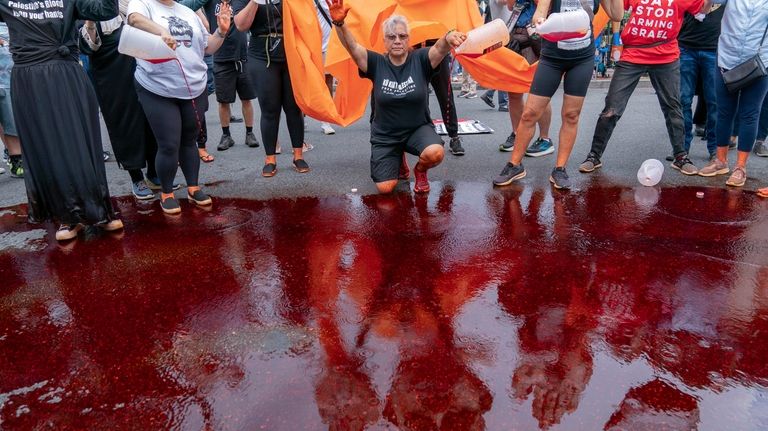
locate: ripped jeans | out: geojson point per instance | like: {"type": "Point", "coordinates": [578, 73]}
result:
{"type": "Point", "coordinates": [665, 79]}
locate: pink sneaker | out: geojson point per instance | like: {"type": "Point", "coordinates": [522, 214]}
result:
{"type": "Point", "coordinates": [422, 182]}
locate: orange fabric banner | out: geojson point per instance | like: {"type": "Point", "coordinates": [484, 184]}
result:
{"type": "Point", "coordinates": [429, 19]}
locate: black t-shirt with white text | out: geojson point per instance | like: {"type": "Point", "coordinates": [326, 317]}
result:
{"type": "Point", "coordinates": [400, 95]}
{"type": "Point", "coordinates": [235, 46]}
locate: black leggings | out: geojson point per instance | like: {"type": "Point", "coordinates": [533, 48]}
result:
{"type": "Point", "coordinates": [174, 123]}
{"type": "Point", "coordinates": [274, 92]}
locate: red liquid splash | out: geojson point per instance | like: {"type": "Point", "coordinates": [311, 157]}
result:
{"type": "Point", "coordinates": [457, 310]}
{"type": "Point", "coordinates": [559, 36]}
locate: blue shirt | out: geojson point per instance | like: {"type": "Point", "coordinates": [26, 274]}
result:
{"type": "Point", "coordinates": [744, 23]}
{"type": "Point", "coordinates": [527, 15]}
{"type": "Point", "coordinates": [6, 62]}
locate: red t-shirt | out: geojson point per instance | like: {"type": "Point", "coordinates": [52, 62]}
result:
{"type": "Point", "coordinates": [654, 21]}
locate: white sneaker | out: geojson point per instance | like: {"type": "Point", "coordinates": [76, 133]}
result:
{"type": "Point", "coordinates": [2, 171]}
{"type": "Point", "coordinates": [307, 147]}
{"type": "Point", "coordinates": [327, 129]}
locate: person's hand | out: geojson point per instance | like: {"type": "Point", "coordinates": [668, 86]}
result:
{"type": "Point", "coordinates": [539, 17]}
{"type": "Point", "coordinates": [168, 39]}
{"type": "Point", "coordinates": [455, 38]}
{"type": "Point", "coordinates": [224, 18]}
{"type": "Point", "coordinates": [337, 9]}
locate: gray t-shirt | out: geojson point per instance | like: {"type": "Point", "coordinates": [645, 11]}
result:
{"type": "Point", "coordinates": [167, 79]}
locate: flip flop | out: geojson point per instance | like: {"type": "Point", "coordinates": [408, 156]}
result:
{"type": "Point", "coordinates": [207, 158]}
{"type": "Point", "coordinates": [763, 193]}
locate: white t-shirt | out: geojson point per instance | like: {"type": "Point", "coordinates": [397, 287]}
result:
{"type": "Point", "coordinates": [166, 79]}
{"type": "Point", "coordinates": [325, 26]}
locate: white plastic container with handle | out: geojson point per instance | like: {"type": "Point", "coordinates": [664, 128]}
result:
{"type": "Point", "coordinates": [484, 39]}
{"type": "Point", "coordinates": [565, 25]}
{"type": "Point", "coordinates": [144, 45]}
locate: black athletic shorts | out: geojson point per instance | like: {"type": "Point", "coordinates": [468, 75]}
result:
{"type": "Point", "coordinates": [386, 158]}
{"type": "Point", "coordinates": [231, 77]}
{"type": "Point", "coordinates": [550, 72]}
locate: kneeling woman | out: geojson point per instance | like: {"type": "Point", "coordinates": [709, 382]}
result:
{"type": "Point", "coordinates": [400, 84]}
{"type": "Point", "coordinates": [173, 94]}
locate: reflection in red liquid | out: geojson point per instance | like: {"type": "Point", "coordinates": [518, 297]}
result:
{"type": "Point", "coordinates": [510, 310]}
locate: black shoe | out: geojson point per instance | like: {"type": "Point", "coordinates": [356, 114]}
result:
{"type": "Point", "coordinates": [488, 100]}
{"type": "Point", "coordinates": [700, 131]}
{"type": "Point", "coordinates": [301, 166]}
{"type": "Point", "coordinates": [509, 144]}
{"type": "Point", "coordinates": [503, 108]}
{"type": "Point", "coordinates": [170, 205]}
{"type": "Point", "coordinates": [226, 143]}
{"type": "Point", "coordinates": [269, 170]}
{"type": "Point", "coordinates": [251, 141]}
{"type": "Point", "coordinates": [670, 158]}
{"type": "Point", "coordinates": [233, 119]}
{"type": "Point", "coordinates": [455, 146]}
{"type": "Point", "coordinates": [510, 173]}
{"type": "Point", "coordinates": [199, 198]}
{"type": "Point", "coordinates": [16, 167]}
{"type": "Point", "coordinates": [559, 179]}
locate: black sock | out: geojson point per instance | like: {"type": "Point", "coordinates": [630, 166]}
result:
{"type": "Point", "coordinates": [14, 157]}
{"type": "Point", "coordinates": [136, 175]}
{"type": "Point", "coordinates": [248, 129]}
{"type": "Point", "coordinates": [225, 130]}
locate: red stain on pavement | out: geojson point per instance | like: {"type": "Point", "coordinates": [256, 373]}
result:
{"type": "Point", "coordinates": [467, 309]}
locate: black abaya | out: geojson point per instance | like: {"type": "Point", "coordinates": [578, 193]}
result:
{"type": "Point", "coordinates": [129, 133]}
{"type": "Point", "coordinates": [56, 110]}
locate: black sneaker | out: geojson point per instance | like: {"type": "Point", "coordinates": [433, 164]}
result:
{"type": "Point", "coordinates": [170, 205]}
{"type": "Point", "coordinates": [226, 143]}
{"type": "Point", "coordinates": [559, 179]}
{"type": "Point", "coordinates": [16, 167]}
{"type": "Point", "coordinates": [199, 198]}
{"type": "Point", "coordinates": [684, 165]}
{"type": "Point", "coordinates": [488, 100]}
{"type": "Point", "coordinates": [591, 163]}
{"type": "Point", "coordinates": [455, 146]}
{"type": "Point", "coordinates": [509, 173]}
{"type": "Point", "coordinates": [233, 119]}
{"type": "Point", "coordinates": [509, 144]}
{"type": "Point", "coordinates": [251, 141]}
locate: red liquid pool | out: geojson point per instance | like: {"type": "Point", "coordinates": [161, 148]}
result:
{"type": "Point", "coordinates": [467, 309]}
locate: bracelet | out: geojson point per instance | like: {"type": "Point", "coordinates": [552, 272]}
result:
{"type": "Point", "coordinates": [338, 23]}
{"type": "Point", "coordinates": [449, 32]}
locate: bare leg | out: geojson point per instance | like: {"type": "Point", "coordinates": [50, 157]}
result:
{"type": "Point", "coordinates": [225, 113]}
{"type": "Point", "coordinates": [534, 109]}
{"type": "Point", "coordinates": [571, 111]}
{"type": "Point", "coordinates": [247, 113]}
{"type": "Point", "coordinates": [12, 144]}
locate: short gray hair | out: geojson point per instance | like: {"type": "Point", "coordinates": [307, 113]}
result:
{"type": "Point", "coordinates": [393, 21]}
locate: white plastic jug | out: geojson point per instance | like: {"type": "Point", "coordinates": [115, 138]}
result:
{"type": "Point", "coordinates": [146, 46]}
{"type": "Point", "coordinates": [564, 25]}
{"type": "Point", "coordinates": [485, 39]}
{"type": "Point", "coordinates": [650, 172]}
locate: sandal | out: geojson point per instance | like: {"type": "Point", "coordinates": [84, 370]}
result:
{"type": "Point", "coordinates": [301, 166]}
{"type": "Point", "coordinates": [269, 170]}
{"type": "Point", "coordinates": [763, 193]}
{"type": "Point", "coordinates": [206, 157]}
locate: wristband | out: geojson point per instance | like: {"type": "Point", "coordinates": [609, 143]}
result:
{"type": "Point", "coordinates": [338, 23]}
{"type": "Point", "coordinates": [449, 32]}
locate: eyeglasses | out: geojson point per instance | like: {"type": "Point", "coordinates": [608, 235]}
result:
{"type": "Point", "coordinates": [393, 37]}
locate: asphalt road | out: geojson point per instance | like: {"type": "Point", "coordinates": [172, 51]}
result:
{"type": "Point", "coordinates": [340, 162]}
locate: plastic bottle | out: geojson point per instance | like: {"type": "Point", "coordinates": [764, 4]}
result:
{"type": "Point", "coordinates": [564, 25]}
{"type": "Point", "coordinates": [143, 45]}
{"type": "Point", "coordinates": [650, 172]}
{"type": "Point", "coordinates": [484, 39]}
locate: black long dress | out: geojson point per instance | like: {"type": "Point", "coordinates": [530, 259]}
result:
{"type": "Point", "coordinates": [56, 110]}
{"type": "Point", "coordinates": [129, 133]}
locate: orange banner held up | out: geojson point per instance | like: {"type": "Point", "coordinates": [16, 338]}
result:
{"type": "Point", "coordinates": [429, 19]}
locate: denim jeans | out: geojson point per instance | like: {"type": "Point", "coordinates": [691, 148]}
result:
{"type": "Point", "coordinates": [502, 97]}
{"type": "Point", "coordinates": [211, 86]}
{"type": "Point", "coordinates": [762, 125]}
{"type": "Point", "coordinates": [695, 64]}
{"type": "Point", "coordinates": [746, 103]}
{"type": "Point", "coordinates": [665, 79]}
